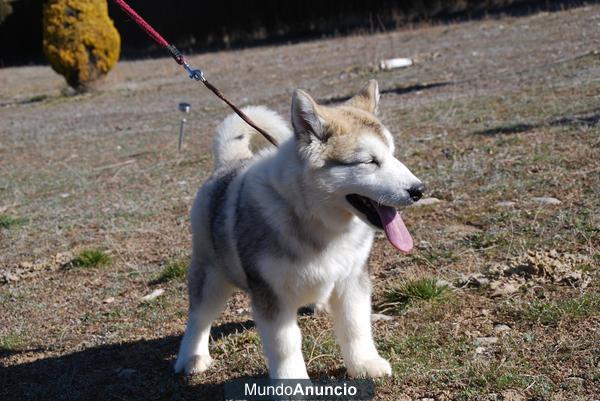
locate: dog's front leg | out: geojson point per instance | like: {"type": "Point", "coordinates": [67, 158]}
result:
{"type": "Point", "coordinates": [282, 342]}
{"type": "Point", "coordinates": [350, 304]}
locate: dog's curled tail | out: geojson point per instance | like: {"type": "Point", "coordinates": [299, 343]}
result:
{"type": "Point", "coordinates": [235, 140]}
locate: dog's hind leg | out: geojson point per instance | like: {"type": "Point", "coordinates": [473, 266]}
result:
{"type": "Point", "coordinates": [209, 291]}
{"type": "Point", "coordinates": [350, 304]}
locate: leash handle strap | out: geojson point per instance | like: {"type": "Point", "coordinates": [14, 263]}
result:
{"type": "Point", "coordinates": [193, 73]}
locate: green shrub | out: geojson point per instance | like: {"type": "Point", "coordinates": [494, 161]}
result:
{"type": "Point", "coordinates": [175, 270]}
{"type": "Point", "coordinates": [91, 257]}
{"type": "Point", "coordinates": [5, 9]}
{"type": "Point", "coordinates": [407, 292]}
{"type": "Point", "coordinates": [7, 221]}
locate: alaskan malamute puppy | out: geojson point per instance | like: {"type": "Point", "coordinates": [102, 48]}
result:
{"type": "Point", "coordinates": [294, 225]}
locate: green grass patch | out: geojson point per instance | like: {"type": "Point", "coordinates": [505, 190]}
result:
{"type": "Point", "coordinates": [240, 353]}
{"type": "Point", "coordinates": [435, 257]}
{"type": "Point", "coordinates": [12, 342]}
{"type": "Point", "coordinates": [248, 340]}
{"type": "Point", "coordinates": [35, 99]}
{"type": "Point", "coordinates": [549, 313]}
{"type": "Point", "coordinates": [320, 350]}
{"type": "Point", "coordinates": [480, 377]}
{"type": "Point", "coordinates": [399, 297]}
{"type": "Point", "coordinates": [154, 310]}
{"type": "Point", "coordinates": [587, 267]}
{"type": "Point", "coordinates": [7, 221]}
{"type": "Point", "coordinates": [91, 257]}
{"type": "Point", "coordinates": [483, 241]}
{"type": "Point", "coordinates": [585, 226]}
{"type": "Point", "coordinates": [174, 270]}
{"type": "Point", "coordinates": [429, 357]}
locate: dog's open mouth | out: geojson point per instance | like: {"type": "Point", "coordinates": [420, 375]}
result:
{"type": "Point", "coordinates": [386, 218]}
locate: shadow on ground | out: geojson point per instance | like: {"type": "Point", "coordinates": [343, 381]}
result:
{"type": "Point", "coordinates": [400, 90]}
{"type": "Point", "coordinates": [590, 120]}
{"type": "Point", "coordinates": [139, 370]}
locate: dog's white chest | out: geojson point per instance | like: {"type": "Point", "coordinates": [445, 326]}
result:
{"type": "Point", "coordinates": [311, 279]}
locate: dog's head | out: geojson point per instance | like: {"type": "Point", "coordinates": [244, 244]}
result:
{"type": "Point", "coordinates": [349, 155]}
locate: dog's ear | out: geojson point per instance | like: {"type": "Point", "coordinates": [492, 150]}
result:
{"type": "Point", "coordinates": [306, 121]}
{"type": "Point", "coordinates": [367, 98]}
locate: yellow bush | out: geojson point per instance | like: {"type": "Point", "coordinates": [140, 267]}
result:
{"type": "Point", "coordinates": [5, 9]}
{"type": "Point", "coordinates": [80, 40]}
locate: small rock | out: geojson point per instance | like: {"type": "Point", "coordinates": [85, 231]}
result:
{"type": "Point", "coordinates": [473, 280]}
{"type": "Point", "coordinates": [506, 204]}
{"type": "Point", "coordinates": [512, 395]}
{"type": "Point", "coordinates": [574, 279]}
{"type": "Point", "coordinates": [481, 281]}
{"type": "Point", "coordinates": [153, 295]}
{"type": "Point", "coordinates": [444, 283]}
{"type": "Point", "coordinates": [376, 317]}
{"type": "Point", "coordinates": [62, 259]}
{"type": "Point", "coordinates": [480, 350]}
{"type": "Point", "coordinates": [546, 200]}
{"type": "Point", "coordinates": [424, 245]}
{"type": "Point", "coordinates": [485, 341]}
{"type": "Point", "coordinates": [500, 289]}
{"type": "Point", "coordinates": [109, 300]}
{"type": "Point", "coordinates": [11, 278]}
{"type": "Point", "coordinates": [461, 230]}
{"type": "Point", "coordinates": [126, 372]}
{"type": "Point", "coordinates": [427, 202]}
{"type": "Point", "coordinates": [501, 328]}
{"type": "Point", "coordinates": [578, 381]}
{"type": "Point", "coordinates": [427, 399]}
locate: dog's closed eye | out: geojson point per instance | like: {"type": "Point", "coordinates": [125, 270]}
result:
{"type": "Point", "coordinates": [359, 162]}
{"type": "Point", "coordinates": [365, 161]}
{"type": "Point", "coordinates": [371, 161]}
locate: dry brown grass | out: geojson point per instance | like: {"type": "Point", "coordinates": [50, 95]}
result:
{"type": "Point", "coordinates": [493, 111]}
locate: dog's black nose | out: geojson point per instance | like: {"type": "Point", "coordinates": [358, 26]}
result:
{"type": "Point", "coordinates": [416, 191]}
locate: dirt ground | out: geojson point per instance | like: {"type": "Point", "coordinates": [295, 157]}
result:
{"type": "Point", "coordinates": [499, 117]}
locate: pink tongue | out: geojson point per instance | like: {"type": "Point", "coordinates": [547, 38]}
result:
{"type": "Point", "coordinates": [394, 227]}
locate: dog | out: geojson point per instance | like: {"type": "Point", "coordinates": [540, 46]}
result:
{"type": "Point", "coordinates": [294, 225]}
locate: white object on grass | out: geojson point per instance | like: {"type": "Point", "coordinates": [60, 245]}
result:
{"type": "Point", "coordinates": [153, 295]}
{"type": "Point", "coordinates": [393, 63]}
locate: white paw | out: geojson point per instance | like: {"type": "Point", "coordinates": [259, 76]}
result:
{"type": "Point", "coordinates": [375, 367]}
{"type": "Point", "coordinates": [290, 371]}
{"type": "Point", "coordinates": [193, 365]}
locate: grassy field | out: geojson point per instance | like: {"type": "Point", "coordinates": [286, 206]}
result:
{"type": "Point", "coordinates": [499, 301]}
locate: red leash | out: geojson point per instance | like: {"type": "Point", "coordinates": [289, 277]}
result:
{"type": "Point", "coordinates": [196, 74]}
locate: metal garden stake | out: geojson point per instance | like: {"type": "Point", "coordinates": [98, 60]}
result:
{"type": "Point", "coordinates": [194, 73]}
{"type": "Point", "coordinates": [184, 108]}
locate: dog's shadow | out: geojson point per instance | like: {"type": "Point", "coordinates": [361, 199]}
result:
{"type": "Point", "coordinates": [138, 370]}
